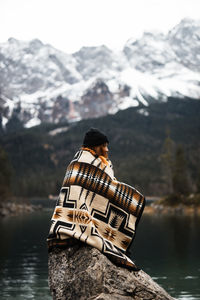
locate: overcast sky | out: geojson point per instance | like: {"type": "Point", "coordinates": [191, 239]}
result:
{"type": "Point", "coordinates": [70, 24]}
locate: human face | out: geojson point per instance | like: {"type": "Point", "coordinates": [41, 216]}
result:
{"type": "Point", "coordinates": [102, 150]}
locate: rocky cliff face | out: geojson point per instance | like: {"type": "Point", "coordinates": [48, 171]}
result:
{"type": "Point", "coordinates": [82, 272]}
{"type": "Point", "coordinates": [39, 83]}
{"type": "Point", "coordinates": [184, 40]}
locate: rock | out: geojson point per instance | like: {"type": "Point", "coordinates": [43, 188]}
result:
{"type": "Point", "coordinates": [82, 272]}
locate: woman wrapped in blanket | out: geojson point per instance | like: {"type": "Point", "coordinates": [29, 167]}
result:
{"type": "Point", "coordinates": [93, 207]}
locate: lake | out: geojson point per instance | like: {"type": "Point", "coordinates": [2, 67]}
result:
{"type": "Point", "coordinates": [166, 247]}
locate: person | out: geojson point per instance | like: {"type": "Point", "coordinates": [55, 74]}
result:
{"type": "Point", "coordinates": [93, 207]}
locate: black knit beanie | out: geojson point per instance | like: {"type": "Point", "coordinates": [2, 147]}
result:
{"type": "Point", "coordinates": [94, 137]}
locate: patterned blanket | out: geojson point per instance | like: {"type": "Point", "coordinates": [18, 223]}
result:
{"type": "Point", "coordinates": [94, 208]}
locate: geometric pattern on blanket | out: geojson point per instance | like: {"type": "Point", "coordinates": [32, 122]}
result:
{"type": "Point", "coordinates": [95, 208]}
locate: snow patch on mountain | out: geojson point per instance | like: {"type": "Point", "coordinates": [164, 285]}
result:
{"type": "Point", "coordinates": [127, 102]}
{"type": "Point", "coordinates": [58, 130]}
{"type": "Point", "coordinates": [39, 83]}
{"type": "Point", "coordinates": [33, 122]}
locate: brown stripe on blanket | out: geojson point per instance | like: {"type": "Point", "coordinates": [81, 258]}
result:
{"type": "Point", "coordinates": [97, 210]}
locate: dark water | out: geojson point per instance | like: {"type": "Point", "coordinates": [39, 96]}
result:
{"type": "Point", "coordinates": [166, 247]}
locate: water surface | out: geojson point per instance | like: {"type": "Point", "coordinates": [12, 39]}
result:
{"type": "Point", "coordinates": [166, 247]}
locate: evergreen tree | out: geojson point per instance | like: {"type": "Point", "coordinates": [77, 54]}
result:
{"type": "Point", "coordinates": [167, 158]}
{"type": "Point", "coordinates": [180, 175]}
{"type": "Point", "coordinates": [5, 175]}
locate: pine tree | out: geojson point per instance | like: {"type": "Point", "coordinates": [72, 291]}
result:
{"type": "Point", "coordinates": [167, 158]}
{"type": "Point", "coordinates": [180, 176]}
{"type": "Point", "coordinates": [5, 175]}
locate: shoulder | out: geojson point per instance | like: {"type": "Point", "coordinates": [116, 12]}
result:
{"type": "Point", "coordinates": [109, 169]}
{"type": "Point", "coordinates": [86, 157]}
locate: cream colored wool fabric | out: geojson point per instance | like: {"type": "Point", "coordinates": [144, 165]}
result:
{"type": "Point", "coordinates": [95, 208]}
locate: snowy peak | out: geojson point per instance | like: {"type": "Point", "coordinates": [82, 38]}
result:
{"type": "Point", "coordinates": [150, 53]}
{"type": "Point", "coordinates": [154, 50]}
{"type": "Point", "coordinates": [27, 67]}
{"type": "Point", "coordinates": [39, 83]}
{"type": "Point", "coordinates": [184, 39]}
{"type": "Point", "coordinates": [94, 61]}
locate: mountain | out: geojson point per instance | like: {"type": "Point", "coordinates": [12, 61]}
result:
{"type": "Point", "coordinates": [39, 83]}
{"type": "Point", "coordinates": [39, 155]}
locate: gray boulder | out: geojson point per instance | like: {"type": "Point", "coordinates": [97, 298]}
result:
{"type": "Point", "coordinates": [83, 272]}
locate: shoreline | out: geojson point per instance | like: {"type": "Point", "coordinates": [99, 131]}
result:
{"type": "Point", "coordinates": [10, 209]}
{"type": "Point", "coordinates": [159, 209]}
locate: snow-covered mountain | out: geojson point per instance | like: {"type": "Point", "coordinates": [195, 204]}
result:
{"type": "Point", "coordinates": [39, 83]}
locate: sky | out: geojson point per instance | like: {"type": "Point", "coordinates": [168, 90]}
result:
{"type": "Point", "coordinates": [71, 24]}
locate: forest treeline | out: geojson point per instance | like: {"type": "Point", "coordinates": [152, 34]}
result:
{"type": "Point", "coordinates": [157, 152]}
